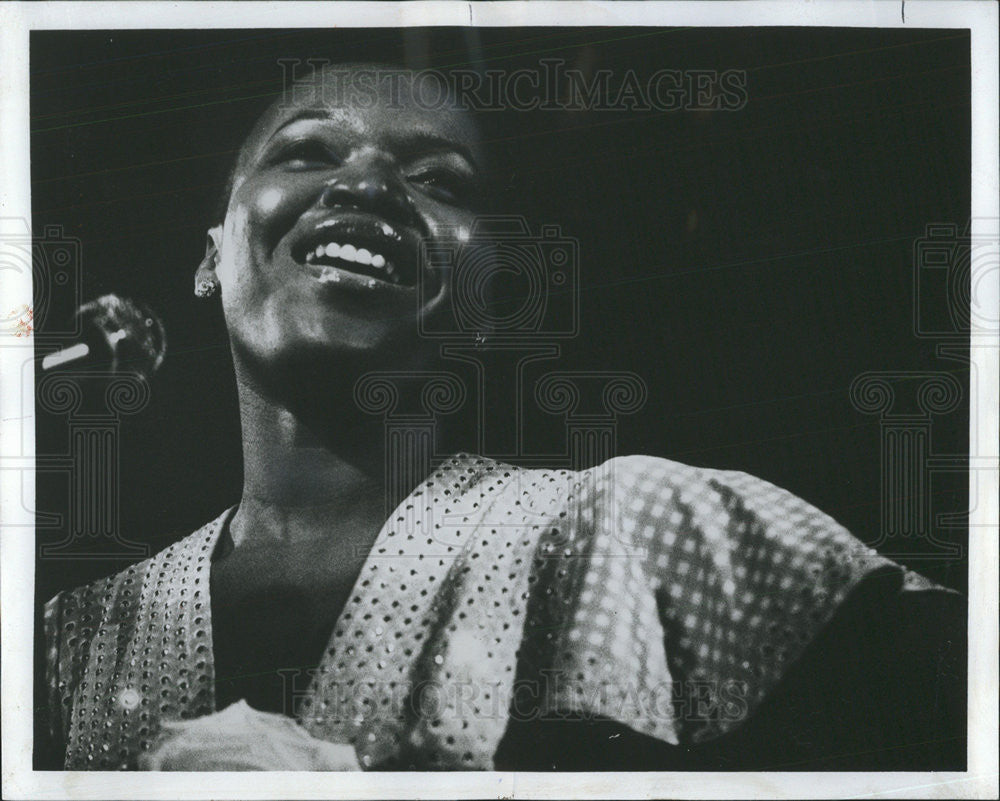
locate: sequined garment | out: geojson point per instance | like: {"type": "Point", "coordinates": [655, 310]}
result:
{"type": "Point", "coordinates": [628, 591]}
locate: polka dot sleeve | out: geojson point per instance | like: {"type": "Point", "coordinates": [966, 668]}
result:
{"type": "Point", "coordinates": [700, 589]}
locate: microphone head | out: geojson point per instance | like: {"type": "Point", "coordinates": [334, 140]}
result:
{"type": "Point", "coordinates": [130, 331]}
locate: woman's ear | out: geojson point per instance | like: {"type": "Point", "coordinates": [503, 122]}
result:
{"type": "Point", "coordinates": [206, 282]}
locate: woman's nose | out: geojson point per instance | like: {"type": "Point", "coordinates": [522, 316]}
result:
{"type": "Point", "coordinates": [370, 186]}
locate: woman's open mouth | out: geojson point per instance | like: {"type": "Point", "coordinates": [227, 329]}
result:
{"type": "Point", "coordinates": [354, 259]}
{"type": "Point", "coordinates": [362, 247]}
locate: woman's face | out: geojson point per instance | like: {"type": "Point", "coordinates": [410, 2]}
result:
{"type": "Point", "coordinates": [319, 254]}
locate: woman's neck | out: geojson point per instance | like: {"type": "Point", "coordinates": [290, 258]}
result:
{"type": "Point", "coordinates": [301, 484]}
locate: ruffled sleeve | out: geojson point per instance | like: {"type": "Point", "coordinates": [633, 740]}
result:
{"type": "Point", "coordinates": [695, 592]}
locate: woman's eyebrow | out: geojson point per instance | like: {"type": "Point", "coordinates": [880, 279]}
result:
{"type": "Point", "coordinates": [406, 145]}
{"type": "Point", "coordinates": [304, 114]}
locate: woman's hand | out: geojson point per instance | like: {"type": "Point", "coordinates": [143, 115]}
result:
{"type": "Point", "coordinates": [242, 738]}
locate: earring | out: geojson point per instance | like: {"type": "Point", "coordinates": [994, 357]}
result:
{"type": "Point", "coordinates": [206, 288]}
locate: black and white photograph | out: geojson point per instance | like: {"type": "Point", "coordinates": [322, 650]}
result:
{"type": "Point", "coordinates": [457, 396]}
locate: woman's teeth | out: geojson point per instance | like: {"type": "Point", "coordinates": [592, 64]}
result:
{"type": "Point", "coordinates": [354, 255]}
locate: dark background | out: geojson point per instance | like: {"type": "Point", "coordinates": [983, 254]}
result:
{"type": "Point", "coordinates": [748, 265]}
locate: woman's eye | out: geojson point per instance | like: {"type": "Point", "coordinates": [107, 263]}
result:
{"type": "Point", "coordinates": [441, 184]}
{"type": "Point", "coordinates": [306, 155]}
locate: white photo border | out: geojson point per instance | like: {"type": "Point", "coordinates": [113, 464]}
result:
{"type": "Point", "coordinates": [17, 545]}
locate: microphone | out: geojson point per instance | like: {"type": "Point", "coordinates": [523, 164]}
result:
{"type": "Point", "coordinates": [117, 334]}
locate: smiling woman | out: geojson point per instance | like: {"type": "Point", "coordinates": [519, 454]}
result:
{"type": "Point", "coordinates": [637, 614]}
{"type": "Point", "coordinates": [327, 208]}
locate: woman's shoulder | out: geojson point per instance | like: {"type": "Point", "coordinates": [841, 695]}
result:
{"type": "Point", "coordinates": [643, 486]}
{"type": "Point", "coordinates": [632, 472]}
{"type": "Point", "coordinates": [741, 537]}
{"type": "Point", "coordinates": [109, 599]}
